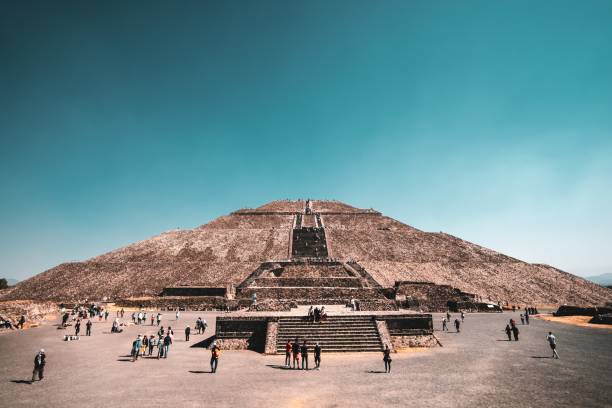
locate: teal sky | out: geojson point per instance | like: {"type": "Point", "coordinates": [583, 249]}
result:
{"type": "Point", "coordinates": [489, 120]}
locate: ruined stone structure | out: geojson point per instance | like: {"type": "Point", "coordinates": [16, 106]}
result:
{"type": "Point", "coordinates": [309, 252]}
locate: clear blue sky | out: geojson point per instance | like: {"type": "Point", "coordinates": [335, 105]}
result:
{"type": "Point", "coordinates": [489, 120]}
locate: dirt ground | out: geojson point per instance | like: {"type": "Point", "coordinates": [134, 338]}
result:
{"type": "Point", "coordinates": [582, 321]}
{"type": "Point", "coordinates": [477, 367]}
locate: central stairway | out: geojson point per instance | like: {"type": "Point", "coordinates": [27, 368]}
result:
{"type": "Point", "coordinates": [336, 334]}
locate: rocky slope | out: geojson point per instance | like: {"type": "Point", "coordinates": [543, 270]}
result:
{"type": "Point", "coordinates": [226, 250]}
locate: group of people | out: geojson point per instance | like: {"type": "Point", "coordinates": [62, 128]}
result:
{"type": "Point", "coordinates": [300, 353]}
{"type": "Point", "coordinates": [144, 345]}
{"type": "Point", "coordinates": [446, 319]}
{"type": "Point", "coordinates": [316, 314]}
{"type": "Point", "coordinates": [7, 323]}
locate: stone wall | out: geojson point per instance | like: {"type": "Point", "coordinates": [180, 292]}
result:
{"type": "Point", "coordinates": [251, 330]}
{"type": "Point", "coordinates": [383, 332]}
{"type": "Point", "coordinates": [311, 293]}
{"type": "Point", "coordinates": [402, 342]}
{"type": "Point", "coordinates": [194, 291]}
{"type": "Point", "coordinates": [271, 334]}
{"type": "Point", "coordinates": [308, 282]}
{"type": "Point", "coordinates": [183, 303]}
{"type": "Point", "coordinates": [582, 311]}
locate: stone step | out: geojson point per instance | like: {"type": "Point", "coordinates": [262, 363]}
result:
{"type": "Point", "coordinates": [338, 350]}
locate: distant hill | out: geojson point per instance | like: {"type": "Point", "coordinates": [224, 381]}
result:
{"type": "Point", "coordinates": [605, 279]}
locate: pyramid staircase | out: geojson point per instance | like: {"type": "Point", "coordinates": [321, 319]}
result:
{"type": "Point", "coordinates": [336, 334]}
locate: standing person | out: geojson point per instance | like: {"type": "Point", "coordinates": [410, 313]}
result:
{"type": "Point", "coordinates": [509, 332]}
{"type": "Point", "coordinates": [462, 316]}
{"type": "Point", "coordinates": [77, 327]}
{"type": "Point", "coordinates": [143, 345]}
{"type": "Point", "coordinates": [522, 319]}
{"type": "Point", "coordinates": [88, 328]}
{"type": "Point", "coordinates": [448, 316]}
{"type": "Point", "coordinates": [444, 328]}
{"type": "Point", "coordinates": [515, 332]}
{"type": "Point", "coordinates": [65, 319]}
{"type": "Point", "coordinates": [178, 314]}
{"type": "Point", "coordinates": [134, 317]}
{"type": "Point", "coordinates": [527, 318]}
{"type": "Point", "coordinates": [106, 313]}
{"type": "Point", "coordinates": [122, 311]}
{"type": "Point", "coordinates": [304, 352]}
{"type": "Point", "coordinates": [295, 350]}
{"type": "Point", "coordinates": [317, 356]}
{"type": "Point", "coordinates": [136, 348]}
{"type": "Point", "coordinates": [187, 332]}
{"type": "Point", "coordinates": [152, 342]}
{"type": "Point", "coordinates": [158, 318]}
{"type": "Point", "coordinates": [387, 358]}
{"type": "Point", "coordinates": [152, 319]}
{"type": "Point", "coordinates": [39, 365]}
{"type": "Point", "coordinates": [204, 326]}
{"type": "Point", "coordinates": [167, 343]}
{"type": "Point", "coordinates": [215, 352]}
{"type": "Point", "coordinates": [457, 323]}
{"type": "Point", "coordinates": [21, 322]}
{"type": "Point", "coordinates": [552, 342]}
{"type": "Point", "coordinates": [288, 354]}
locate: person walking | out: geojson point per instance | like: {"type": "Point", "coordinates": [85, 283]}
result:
{"type": "Point", "coordinates": [552, 342]}
{"type": "Point", "coordinates": [527, 318]}
{"type": "Point", "coordinates": [448, 316]}
{"type": "Point", "coordinates": [509, 332]}
{"type": "Point", "coordinates": [457, 324]}
{"type": "Point", "coordinates": [88, 328]}
{"type": "Point", "coordinates": [204, 325]}
{"type": "Point", "coordinates": [187, 332]}
{"type": "Point", "coordinates": [21, 322]}
{"type": "Point", "coordinates": [444, 328]}
{"type": "Point", "coordinates": [152, 319]}
{"type": "Point", "coordinates": [288, 354]}
{"type": "Point", "coordinates": [167, 343]}
{"type": "Point", "coordinates": [515, 332]}
{"type": "Point", "coordinates": [158, 318]}
{"type": "Point", "coordinates": [39, 365]}
{"type": "Point", "coordinates": [122, 312]}
{"type": "Point", "coordinates": [522, 319]}
{"type": "Point", "coordinates": [317, 356]}
{"type": "Point", "coordinates": [77, 327]}
{"type": "Point", "coordinates": [178, 314]}
{"type": "Point", "coordinates": [462, 316]}
{"type": "Point", "coordinates": [106, 313]}
{"type": "Point", "coordinates": [152, 343]}
{"type": "Point", "coordinates": [304, 352]}
{"type": "Point", "coordinates": [215, 353]}
{"type": "Point", "coordinates": [387, 358]}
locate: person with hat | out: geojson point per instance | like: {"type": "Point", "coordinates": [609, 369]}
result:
{"type": "Point", "coordinates": [39, 365]}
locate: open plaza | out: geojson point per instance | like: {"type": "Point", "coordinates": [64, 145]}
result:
{"type": "Point", "coordinates": [476, 367]}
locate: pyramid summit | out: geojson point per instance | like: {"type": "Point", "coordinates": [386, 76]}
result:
{"type": "Point", "coordinates": [339, 249]}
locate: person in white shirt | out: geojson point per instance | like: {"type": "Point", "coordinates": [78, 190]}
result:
{"type": "Point", "coordinates": [552, 342]}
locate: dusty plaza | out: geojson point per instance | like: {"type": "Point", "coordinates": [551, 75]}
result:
{"type": "Point", "coordinates": [477, 367]}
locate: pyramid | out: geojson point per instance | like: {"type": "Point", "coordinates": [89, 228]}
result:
{"type": "Point", "coordinates": [228, 250]}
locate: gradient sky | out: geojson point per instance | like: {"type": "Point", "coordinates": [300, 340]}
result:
{"type": "Point", "coordinates": [489, 120]}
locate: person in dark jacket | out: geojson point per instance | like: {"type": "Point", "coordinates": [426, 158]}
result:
{"type": "Point", "coordinates": [21, 322]}
{"type": "Point", "coordinates": [509, 332]}
{"type": "Point", "coordinates": [387, 358]}
{"type": "Point", "coordinates": [77, 327]}
{"type": "Point", "coordinates": [515, 332]}
{"type": "Point", "coordinates": [304, 352]}
{"type": "Point", "coordinates": [317, 356]}
{"type": "Point", "coordinates": [39, 365]}
{"type": "Point", "coordinates": [88, 328]}
{"type": "Point", "coordinates": [187, 332]}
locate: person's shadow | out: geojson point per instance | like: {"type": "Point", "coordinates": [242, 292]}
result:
{"type": "Point", "coordinates": [542, 357]}
{"type": "Point", "coordinates": [376, 372]}
{"type": "Point", "coordinates": [21, 381]}
{"type": "Point", "coordinates": [278, 367]}
{"type": "Point", "coordinates": [198, 372]}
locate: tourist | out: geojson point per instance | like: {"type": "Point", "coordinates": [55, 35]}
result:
{"type": "Point", "coordinates": [204, 325]}
{"type": "Point", "coordinates": [444, 328]}
{"type": "Point", "coordinates": [88, 328]}
{"type": "Point", "coordinates": [143, 345]}
{"type": "Point", "coordinates": [152, 319]}
{"type": "Point", "coordinates": [159, 318]}
{"type": "Point", "coordinates": [134, 317]}
{"type": "Point", "coordinates": [311, 314]}
{"type": "Point", "coordinates": [515, 332]}
{"type": "Point", "coordinates": [295, 350]}
{"type": "Point", "coordinates": [509, 332]}
{"type": "Point", "coordinates": [140, 316]}
{"type": "Point", "coordinates": [65, 319]}
{"type": "Point", "coordinates": [160, 333]}
{"type": "Point", "coordinates": [215, 352]}
{"type": "Point", "coordinates": [457, 323]}
{"type": "Point", "coordinates": [288, 354]}
{"type": "Point", "coordinates": [462, 316]}
{"type": "Point", "coordinates": [178, 314]}
{"type": "Point", "coordinates": [21, 322]}
{"type": "Point", "coordinates": [522, 319]}
{"type": "Point", "coordinates": [167, 343]}
{"type": "Point", "coordinates": [317, 355]}
{"type": "Point", "coordinates": [448, 316]}
{"type": "Point", "coordinates": [152, 343]}
{"type": "Point", "coordinates": [323, 315]}
{"type": "Point", "coordinates": [304, 352]}
{"type": "Point", "coordinates": [387, 358]}
{"type": "Point", "coordinates": [527, 318]}
{"type": "Point", "coordinates": [39, 365]}
{"type": "Point", "coordinates": [106, 313]}
{"type": "Point", "coordinates": [77, 327]}
{"type": "Point", "coordinates": [353, 305]}
{"type": "Point", "coordinates": [552, 342]}
{"type": "Point", "coordinates": [122, 311]}
{"type": "Point", "coordinates": [136, 348]}
{"type": "Point", "coordinates": [187, 332]}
